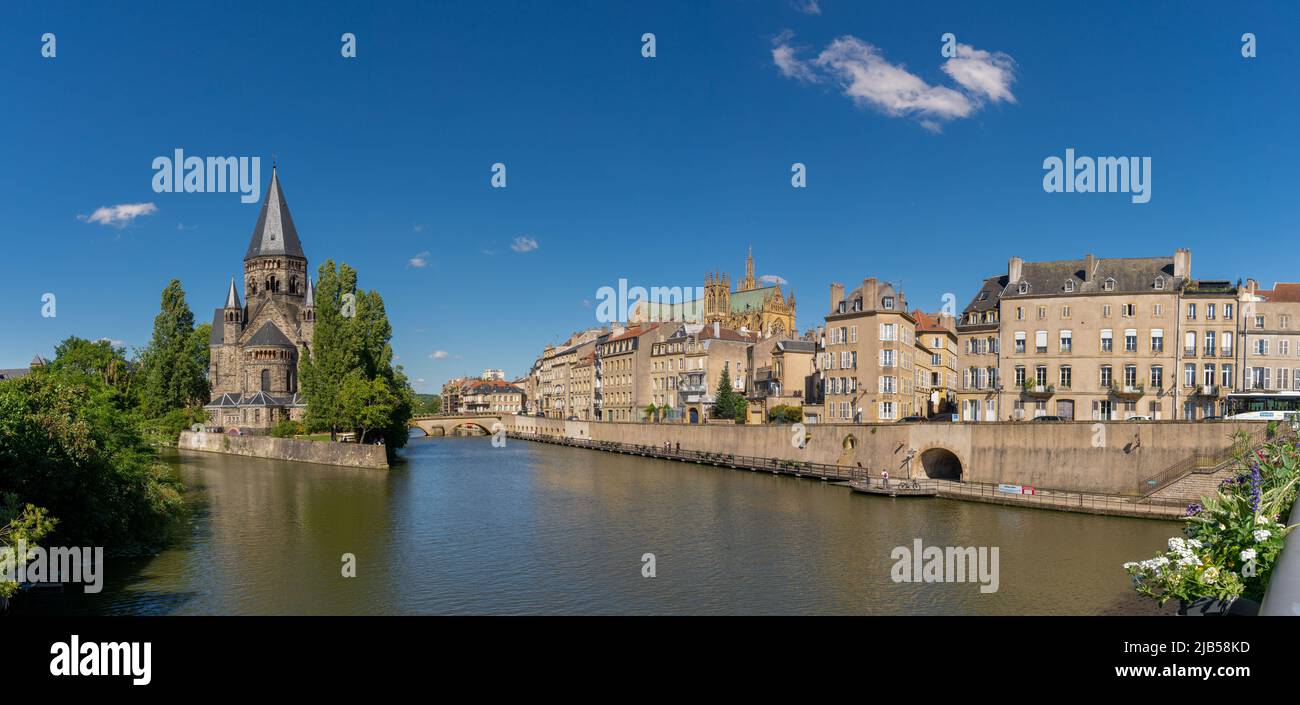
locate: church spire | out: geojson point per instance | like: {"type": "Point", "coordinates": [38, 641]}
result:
{"type": "Point", "coordinates": [749, 271]}
{"type": "Point", "coordinates": [311, 294]}
{"type": "Point", "coordinates": [232, 296]}
{"type": "Point", "coordinates": [274, 233]}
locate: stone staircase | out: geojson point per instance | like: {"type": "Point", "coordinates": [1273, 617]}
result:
{"type": "Point", "coordinates": [1198, 483]}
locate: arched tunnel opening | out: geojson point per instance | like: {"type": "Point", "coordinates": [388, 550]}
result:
{"type": "Point", "coordinates": [941, 464]}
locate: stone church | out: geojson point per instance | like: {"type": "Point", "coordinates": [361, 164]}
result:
{"type": "Point", "coordinates": [255, 344]}
{"type": "Point", "coordinates": [760, 308]}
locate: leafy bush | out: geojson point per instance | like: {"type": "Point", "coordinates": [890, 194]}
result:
{"type": "Point", "coordinates": [287, 428]}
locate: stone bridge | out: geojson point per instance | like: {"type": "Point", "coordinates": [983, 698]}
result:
{"type": "Point", "coordinates": [444, 425]}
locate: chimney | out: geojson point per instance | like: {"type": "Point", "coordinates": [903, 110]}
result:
{"type": "Point", "coordinates": [870, 293]}
{"type": "Point", "coordinates": [1015, 270]}
{"type": "Point", "coordinates": [837, 295]}
{"type": "Point", "coordinates": [1089, 264]}
{"type": "Point", "coordinates": [1183, 263]}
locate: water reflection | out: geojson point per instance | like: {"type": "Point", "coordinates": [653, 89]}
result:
{"type": "Point", "coordinates": [462, 527]}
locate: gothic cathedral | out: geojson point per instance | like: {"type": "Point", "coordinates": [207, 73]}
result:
{"type": "Point", "coordinates": [758, 308]}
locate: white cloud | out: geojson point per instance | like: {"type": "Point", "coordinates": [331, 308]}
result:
{"type": "Point", "coordinates": [419, 380]}
{"type": "Point", "coordinates": [523, 243]}
{"type": "Point", "coordinates": [772, 279]}
{"type": "Point", "coordinates": [439, 354]}
{"type": "Point", "coordinates": [420, 260]}
{"type": "Point", "coordinates": [866, 77]}
{"type": "Point", "coordinates": [985, 74]}
{"type": "Point", "coordinates": [418, 227]}
{"type": "Point", "coordinates": [118, 216]}
{"type": "Point", "coordinates": [808, 7]}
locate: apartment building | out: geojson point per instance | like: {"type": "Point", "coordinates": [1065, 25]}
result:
{"type": "Point", "coordinates": [782, 373]}
{"type": "Point", "coordinates": [869, 364]}
{"type": "Point", "coordinates": [1271, 341]}
{"type": "Point", "coordinates": [624, 373]}
{"type": "Point", "coordinates": [935, 356]}
{"type": "Point", "coordinates": [495, 396]}
{"type": "Point", "coordinates": [1209, 331]}
{"type": "Point", "coordinates": [979, 346]}
{"type": "Point", "coordinates": [709, 352]}
{"type": "Point", "coordinates": [1091, 338]}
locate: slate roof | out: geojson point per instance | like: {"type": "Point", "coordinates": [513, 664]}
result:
{"type": "Point", "coordinates": [797, 345]}
{"type": "Point", "coordinates": [270, 334]}
{"type": "Point", "coordinates": [216, 336]}
{"type": "Point", "coordinates": [14, 373]}
{"type": "Point", "coordinates": [1137, 275]}
{"type": "Point", "coordinates": [232, 296]}
{"type": "Point", "coordinates": [274, 233]}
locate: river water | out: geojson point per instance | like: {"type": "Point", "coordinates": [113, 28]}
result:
{"type": "Point", "coordinates": [461, 527]}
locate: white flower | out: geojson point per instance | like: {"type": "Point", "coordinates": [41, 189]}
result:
{"type": "Point", "coordinates": [1248, 555]}
{"type": "Point", "coordinates": [1211, 575]}
{"type": "Point", "coordinates": [1194, 543]}
{"type": "Point", "coordinates": [1130, 565]}
{"type": "Point", "coordinates": [1176, 544]}
{"type": "Point", "coordinates": [1263, 520]}
{"type": "Point", "coordinates": [1262, 535]}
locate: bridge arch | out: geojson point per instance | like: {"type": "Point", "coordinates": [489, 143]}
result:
{"type": "Point", "coordinates": [940, 463]}
{"type": "Point", "coordinates": [435, 427]}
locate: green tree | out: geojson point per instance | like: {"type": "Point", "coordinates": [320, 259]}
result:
{"type": "Point", "coordinates": [67, 445]}
{"type": "Point", "coordinates": [351, 345]}
{"type": "Point", "coordinates": [726, 399]}
{"type": "Point", "coordinates": [174, 365]}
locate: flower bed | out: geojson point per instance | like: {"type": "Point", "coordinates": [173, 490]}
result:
{"type": "Point", "coordinates": [1232, 541]}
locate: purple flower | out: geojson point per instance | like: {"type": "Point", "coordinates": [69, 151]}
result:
{"type": "Point", "coordinates": [1194, 508]}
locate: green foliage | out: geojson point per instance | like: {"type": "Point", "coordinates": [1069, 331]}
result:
{"type": "Point", "coordinates": [650, 411]}
{"type": "Point", "coordinates": [175, 364]}
{"type": "Point", "coordinates": [727, 402]}
{"type": "Point", "coordinates": [165, 429]}
{"type": "Point", "coordinates": [21, 523]}
{"type": "Point", "coordinates": [1233, 540]}
{"type": "Point", "coordinates": [785, 413]}
{"type": "Point", "coordinates": [69, 444]}
{"type": "Point", "coordinates": [348, 376]}
{"type": "Point", "coordinates": [287, 428]}
{"type": "Point", "coordinates": [427, 404]}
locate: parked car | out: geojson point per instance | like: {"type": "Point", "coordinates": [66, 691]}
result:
{"type": "Point", "coordinates": [1140, 418]}
{"type": "Point", "coordinates": [1212, 418]}
{"type": "Point", "coordinates": [944, 418]}
{"type": "Point", "coordinates": [911, 419]}
{"type": "Point", "coordinates": [1048, 419]}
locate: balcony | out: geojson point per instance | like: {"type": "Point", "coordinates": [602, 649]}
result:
{"type": "Point", "coordinates": [1038, 390]}
{"type": "Point", "coordinates": [1127, 391]}
{"type": "Point", "coordinates": [1208, 390]}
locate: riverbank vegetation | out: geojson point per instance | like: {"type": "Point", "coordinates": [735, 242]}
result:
{"type": "Point", "coordinates": [348, 376]}
{"type": "Point", "coordinates": [78, 464]}
{"type": "Point", "coordinates": [1231, 541]}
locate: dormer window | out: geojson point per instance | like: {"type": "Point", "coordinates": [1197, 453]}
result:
{"type": "Point", "coordinates": [857, 304]}
{"type": "Point", "coordinates": [984, 295]}
{"type": "Point", "coordinates": [887, 303]}
{"type": "Point", "coordinates": [1108, 285]}
{"type": "Point", "coordinates": [1160, 283]}
{"type": "Point", "coordinates": [843, 307]}
{"type": "Point", "coordinates": [1069, 285]}
{"type": "Point", "coordinates": [1023, 288]}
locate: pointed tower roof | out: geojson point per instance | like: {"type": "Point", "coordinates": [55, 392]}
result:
{"type": "Point", "coordinates": [311, 294]}
{"type": "Point", "coordinates": [232, 296]}
{"type": "Point", "coordinates": [274, 233]}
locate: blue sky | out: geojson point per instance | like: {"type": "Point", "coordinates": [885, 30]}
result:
{"type": "Point", "coordinates": [655, 170]}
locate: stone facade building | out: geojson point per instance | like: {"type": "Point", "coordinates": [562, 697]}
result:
{"type": "Point", "coordinates": [255, 345]}
{"type": "Point", "coordinates": [869, 358]}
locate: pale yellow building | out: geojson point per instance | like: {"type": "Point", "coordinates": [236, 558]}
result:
{"type": "Point", "coordinates": [869, 360]}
